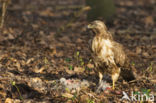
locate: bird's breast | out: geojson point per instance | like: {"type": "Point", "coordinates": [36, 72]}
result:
{"type": "Point", "coordinates": [102, 48]}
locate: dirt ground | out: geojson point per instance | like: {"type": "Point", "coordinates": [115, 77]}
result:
{"type": "Point", "coordinates": [45, 40]}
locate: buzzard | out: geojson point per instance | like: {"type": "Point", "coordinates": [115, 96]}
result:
{"type": "Point", "coordinates": [108, 55]}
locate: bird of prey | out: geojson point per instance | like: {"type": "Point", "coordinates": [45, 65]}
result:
{"type": "Point", "coordinates": [108, 55]}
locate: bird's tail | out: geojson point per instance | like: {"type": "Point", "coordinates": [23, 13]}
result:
{"type": "Point", "coordinates": [129, 72]}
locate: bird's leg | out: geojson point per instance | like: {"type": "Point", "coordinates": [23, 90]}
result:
{"type": "Point", "coordinates": [100, 77]}
{"type": "Point", "coordinates": [115, 76]}
{"type": "Point", "coordinates": [114, 79]}
{"type": "Point", "coordinates": [114, 84]}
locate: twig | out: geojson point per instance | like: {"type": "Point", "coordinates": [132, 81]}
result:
{"type": "Point", "coordinates": [90, 95]}
{"type": "Point", "coordinates": [4, 5]}
{"type": "Point", "coordinates": [4, 9]}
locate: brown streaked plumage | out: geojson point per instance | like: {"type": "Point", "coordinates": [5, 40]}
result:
{"type": "Point", "coordinates": [108, 55]}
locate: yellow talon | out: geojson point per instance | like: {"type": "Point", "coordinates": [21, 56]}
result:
{"type": "Point", "coordinates": [113, 85]}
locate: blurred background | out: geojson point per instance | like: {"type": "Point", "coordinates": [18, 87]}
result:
{"type": "Point", "coordinates": [42, 39]}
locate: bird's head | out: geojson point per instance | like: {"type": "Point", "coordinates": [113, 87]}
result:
{"type": "Point", "coordinates": [97, 27]}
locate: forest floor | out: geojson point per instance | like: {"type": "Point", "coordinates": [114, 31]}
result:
{"type": "Point", "coordinates": [44, 54]}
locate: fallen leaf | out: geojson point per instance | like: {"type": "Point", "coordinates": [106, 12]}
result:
{"type": "Point", "coordinates": [90, 65]}
{"type": "Point", "coordinates": [39, 70]}
{"type": "Point", "coordinates": [79, 40]}
{"type": "Point", "coordinates": [35, 26]}
{"type": "Point", "coordinates": [148, 20]}
{"type": "Point", "coordinates": [3, 93]}
{"type": "Point", "coordinates": [67, 95]}
{"type": "Point", "coordinates": [46, 13]}
{"type": "Point", "coordinates": [145, 54]}
{"type": "Point", "coordinates": [69, 71]}
{"type": "Point", "coordinates": [84, 99]}
{"type": "Point", "coordinates": [69, 101]}
{"type": "Point", "coordinates": [78, 69]}
{"type": "Point", "coordinates": [8, 100]}
{"type": "Point", "coordinates": [138, 50]}
{"type": "Point", "coordinates": [29, 61]}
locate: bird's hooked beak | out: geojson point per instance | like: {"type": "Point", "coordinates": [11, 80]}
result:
{"type": "Point", "coordinates": [90, 26]}
{"type": "Point", "coordinates": [91, 29]}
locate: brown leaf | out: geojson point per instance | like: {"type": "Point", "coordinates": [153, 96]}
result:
{"type": "Point", "coordinates": [79, 40]}
{"type": "Point", "coordinates": [67, 95]}
{"type": "Point", "coordinates": [129, 3]}
{"type": "Point", "coordinates": [69, 101]}
{"type": "Point", "coordinates": [29, 60]}
{"type": "Point", "coordinates": [148, 20]}
{"type": "Point", "coordinates": [35, 26]}
{"type": "Point", "coordinates": [46, 12]}
{"type": "Point", "coordinates": [8, 100]}
{"type": "Point", "coordinates": [39, 70]}
{"type": "Point", "coordinates": [145, 54]}
{"type": "Point", "coordinates": [90, 65]}
{"type": "Point", "coordinates": [69, 71]}
{"type": "Point", "coordinates": [78, 69]}
{"type": "Point", "coordinates": [59, 53]}
{"type": "Point", "coordinates": [65, 39]}
{"type": "Point", "coordinates": [84, 98]}
{"type": "Point", "coordinates": [138, 50]}
{"type": "Point", "coordinates": [18, 65]}
{"type": "Point", "coordinates": [3, 93]}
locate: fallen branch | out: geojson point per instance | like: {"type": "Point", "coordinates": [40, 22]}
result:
{"type": "Point", "coordinates": [4, 9]}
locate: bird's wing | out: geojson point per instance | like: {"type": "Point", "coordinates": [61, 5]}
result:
{"type": "Point", "coordinates": [119, 54]}
{"type": "Point", "coordinates": [127, 71]}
